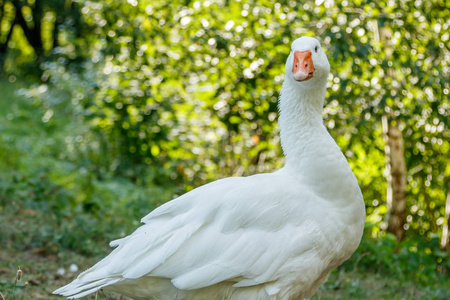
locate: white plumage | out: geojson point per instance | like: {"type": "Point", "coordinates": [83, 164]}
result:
{"type": "Point", "coordinates": [267, 236]}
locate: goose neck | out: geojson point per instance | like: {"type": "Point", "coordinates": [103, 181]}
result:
{"type": "Point", "coordinates": [300, 118]}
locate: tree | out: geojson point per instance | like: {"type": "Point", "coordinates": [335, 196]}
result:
{"type": "Point", "coordinates": [7, 20]}
{"type": "Point", "coordinates": [165, 77]}
{"type": "Point", "coordinates": [392, 63]}
{"type": "Point", "coordinates": [41, 22]}
{"type": "Point", "coordinates": [445, 232]}
{"type": "Point", "coordinates": [396, 179]}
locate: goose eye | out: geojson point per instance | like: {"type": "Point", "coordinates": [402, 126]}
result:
{"type": "Point", "coordinates": [316, 49]}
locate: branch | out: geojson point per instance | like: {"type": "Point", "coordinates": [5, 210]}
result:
{"type": "Point", "coordinates": [4, 46]}
{"type": "Point", "coordinates": [2, 11]}
{"type": "Point", "coordinates": [33, 35]}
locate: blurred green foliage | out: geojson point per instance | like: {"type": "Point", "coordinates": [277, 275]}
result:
{"type": "Point", "coordinates": [136, 102]}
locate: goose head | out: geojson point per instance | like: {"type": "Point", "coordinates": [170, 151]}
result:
{"type": "Point", "coordinates": [307, 66]}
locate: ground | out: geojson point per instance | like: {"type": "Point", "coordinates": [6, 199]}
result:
{"type": "Point", "coordinates": [32, 240]}
{"type": "Point", "coordinates": [42, 274]}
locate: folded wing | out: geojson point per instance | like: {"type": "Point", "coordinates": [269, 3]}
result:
{"type": "Point", "coordinates": [239, 229]}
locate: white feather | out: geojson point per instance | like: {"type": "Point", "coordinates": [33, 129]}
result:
{"type": "Point", "coordinates": [267, 236]}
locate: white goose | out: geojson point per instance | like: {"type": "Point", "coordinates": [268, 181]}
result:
{"type": "Point", "coordinates": [267, 236]}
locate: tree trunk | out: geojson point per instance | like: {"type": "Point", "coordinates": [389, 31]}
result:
{"type": "Point", "coordinates": [4, 44]}
{"type": "Point", "coordinates": [445, 242]}
{"type": "Point", "coordinates": [32, 34]}
{"type": "Point", "coordinates": [396, 179]}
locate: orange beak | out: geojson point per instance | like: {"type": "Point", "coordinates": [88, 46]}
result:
{"type": "Point", "coordinates": [303, 68]}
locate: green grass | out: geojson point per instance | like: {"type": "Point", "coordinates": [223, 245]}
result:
{"type": "Point", "coordinates": [359, 285]}
{"type": "Point", "coordinates": [55, 212]}
{"type": "Point", "coordinates": [42, 273]}
{"type": "Point", "coordinates": [45, 171]}
{"type": "Point", "coordinates": [53, 208]}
